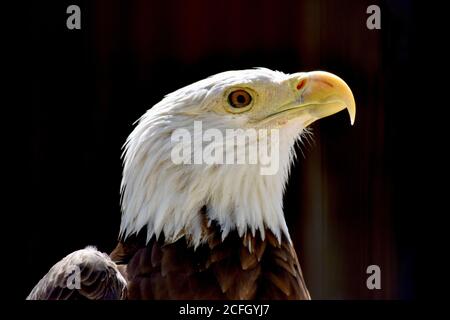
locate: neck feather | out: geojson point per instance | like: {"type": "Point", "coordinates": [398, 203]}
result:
{"type": "Point", "coordinates": [173, 200]}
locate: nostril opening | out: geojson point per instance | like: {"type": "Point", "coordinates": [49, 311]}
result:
{"type": "Point", "coordinates": [301, 84]}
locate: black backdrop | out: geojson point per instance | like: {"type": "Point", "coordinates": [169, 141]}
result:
{"type": "Point", "coordinates": [348, 203]}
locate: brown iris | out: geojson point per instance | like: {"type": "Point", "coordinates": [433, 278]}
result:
{"type": "Point", "coordinates": [239, 99]}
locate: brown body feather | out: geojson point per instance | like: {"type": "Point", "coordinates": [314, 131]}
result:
{"type": "Point", "coordinates": [236, 268]}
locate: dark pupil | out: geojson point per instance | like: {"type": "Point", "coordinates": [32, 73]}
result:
{"type": "Point", "coordinates": [240, 98]}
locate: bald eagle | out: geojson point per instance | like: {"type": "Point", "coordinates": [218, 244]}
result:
{"type": "Point", "coordinates": [201, 229]}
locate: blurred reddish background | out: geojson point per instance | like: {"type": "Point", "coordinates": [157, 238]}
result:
{"type": "Point", "coordinates": [346, 203]}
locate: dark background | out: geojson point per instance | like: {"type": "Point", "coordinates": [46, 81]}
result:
{"type": "Point", "coordinates": [351, 200]}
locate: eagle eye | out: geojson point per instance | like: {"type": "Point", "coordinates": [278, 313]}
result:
{"type": "Point", "coordinates": [239, 98]}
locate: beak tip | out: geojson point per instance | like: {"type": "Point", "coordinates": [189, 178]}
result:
{"type": "Point", "coordinates": [352, 119]}
{"type": "Point", "coordinates": [352, 112]}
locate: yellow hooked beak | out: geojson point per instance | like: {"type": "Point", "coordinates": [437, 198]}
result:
{"type": "Point", "coordinates": [318, 94]}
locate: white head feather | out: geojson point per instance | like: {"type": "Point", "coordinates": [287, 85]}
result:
{"type": "Point", "coordinates": [167, 198]}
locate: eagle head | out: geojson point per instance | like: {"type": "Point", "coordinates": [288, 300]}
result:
{"type": "Point", "coordinates": [183, 165]}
